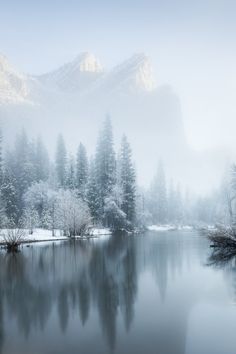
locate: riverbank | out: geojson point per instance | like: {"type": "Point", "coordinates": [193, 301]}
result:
{"type": "Point", "coordinates": [42, 235]}
{"type": "Point", "coordinates": [169, 228]}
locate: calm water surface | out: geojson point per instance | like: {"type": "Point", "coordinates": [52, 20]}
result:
{"type": "Point", "coordinates": [146, 294]}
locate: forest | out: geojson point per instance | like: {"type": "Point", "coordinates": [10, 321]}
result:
{"type": "Point", "coordinates": [75, 193]}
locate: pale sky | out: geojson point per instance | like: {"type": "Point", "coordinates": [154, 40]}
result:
{"type": "Point", "coordinates": [191, 45]}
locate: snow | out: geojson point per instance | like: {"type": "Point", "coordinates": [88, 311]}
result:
{"type": "Point", "coordinates": [169, 228]}
{"type": "Point", "coordinates": [82, 74]}
{"type": "Point", "coordinates": [98, 232]}
{"type": "Point", "coordinates": [13, 86]}
{"type": "Point", "coordinates": [38, 235]}
{"type": "Point", "coordinates": [186, 227]}
{"type": "Point", "coordinates": [132, 75]}
{"type": "Point", "coordinates": [77, 74]}
{"type": "Point", "coordinates": [87, 62]}
{"type": "Point", "coordinates": [46, 235]}
{"type": "Point", "coordinates": [161, 227]}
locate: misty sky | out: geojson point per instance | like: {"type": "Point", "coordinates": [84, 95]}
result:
{"type": "Point", "coordinates": [191, 44]}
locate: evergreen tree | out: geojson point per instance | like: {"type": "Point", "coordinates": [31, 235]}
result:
{"type": "Point", "coordinates": [9, 196]}
{"type": "Point", "coordinates": [21, 166]}
{"type": "Point", "coordinates": [158, 197]}
{"type": "Point", "coordinates": [105, 165]}
{"type": "Point", "coordinates": [171, 203]}
{"type": "Point", "coordinates": [2, 207]}
{"type": "Point", "coordinates": [81, 171]}
{"type": "Point", "coordinates": [161, 194]}
{"type": "Point", "coordinates": [41, 161]}
{"type": "Point", "coordinates": [70, 174]}
{"type": "Point", "coordinates": [127, 181]}
{"type": "Point", "coordinates": [179, 205]}
{"type": "Point", "coordinates": [61, 159]}
{"type": "Point", "coordinates": [2, 212]}
{"type": "Point", "coordinates": [92, 195]}
{"type": "Point", "coordinates": [1, 159]}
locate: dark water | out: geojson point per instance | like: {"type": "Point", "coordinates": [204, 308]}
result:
{"type": "Point", "coordinates": [145, 294]}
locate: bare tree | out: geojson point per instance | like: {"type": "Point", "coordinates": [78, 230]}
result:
{"type": "Point", "coordinates": [13, 236]}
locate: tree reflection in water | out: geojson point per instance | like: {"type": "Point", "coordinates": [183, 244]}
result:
{"type": "Point", "coordinates": [71, 274]}
{"type": "Point", "coordinates": [138, 291]}
{"type": "Point", "coordinates": [225, 259]}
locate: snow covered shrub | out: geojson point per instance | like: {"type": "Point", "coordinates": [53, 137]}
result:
{"type": "Point", "coordinates": [49, 214]}
{"type": "Point", "coordinates": [30, 219]}
{"type": "Point", "coordinates": [72, 214]}
{"type": "Point", "coordinates": [36, 197]}
{"type": "Point", "coordinates": [13, 236]}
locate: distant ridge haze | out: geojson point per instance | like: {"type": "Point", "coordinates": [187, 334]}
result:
{"type": "Point", "coordinates": [135, 74]}
{"type": "Point", "coordinates": [74, 99]}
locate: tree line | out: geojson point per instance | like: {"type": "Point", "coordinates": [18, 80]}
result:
{"type": "Point", "coordinates": [71, 192]}
{"type": "Point", "coordinates": [166, 201]}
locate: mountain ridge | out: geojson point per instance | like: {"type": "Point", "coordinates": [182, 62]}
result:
{"type": "Point", "coordinates": [13, 85]}
{"type": "Point", "coordinates": [74, 99]}
{"type": "Point", "coordinates": [83, 73]}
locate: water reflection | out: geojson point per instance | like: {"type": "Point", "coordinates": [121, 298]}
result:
{"type": "Point", "coordinates": [121, 294]}
{"type": "Point", "coordinates": [225, 259]}
{"type": "Point", "coordinates": [222, 256]}
{"type": "Point", "coordinates": [70, 275]}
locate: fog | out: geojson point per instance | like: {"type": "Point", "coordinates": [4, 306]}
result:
{"type": "Point", "coordinates": [175, 103]}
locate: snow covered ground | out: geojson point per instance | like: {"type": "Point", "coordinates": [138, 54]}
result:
{"type": "Point", "coordinates": [168, 227]}
{"type": "Point", "coordinates": [99, 232]}
{"type": "Point", "coordinates": [46, 235]}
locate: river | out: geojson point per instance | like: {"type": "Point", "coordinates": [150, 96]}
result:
{"type": "Point", "coordinates": [154, 293]}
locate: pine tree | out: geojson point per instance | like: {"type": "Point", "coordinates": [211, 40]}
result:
{"type": "Point", "coordinates": [81, 171]}
{"type": "Point", "coordinates": [179, 205]}
{"type": "Point", "coordinates": [1, 159]}
{"type": "Point", "coordinates": [171, 204]}
{"type": "Point", "coordinates": [161, 194]}
{"type": "Point", "coordinates": [21, 166]}
{"type": "Point", "coordinates": [158, 197]}
{"type": "Point", "coordinates": [2, 207]}
{"type": "Point", "coordinates": [127, 181]}
{"type": "Point", "coordinates": [70, 174]}
{"type": "Point", "coordinates": [105, 164]}
{"type": "Point", "coordinates": [61, 159]}
{"type": "Point", "coordinates": [41, 161]}
{"type": "Point", "coordinates": [2, 212]}
{"type": "Point", "coordinates": [9, 196]}
{"type": "Point", "coordinates": [92, 195]}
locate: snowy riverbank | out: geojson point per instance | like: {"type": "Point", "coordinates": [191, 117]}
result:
{"type": "Point", "coordinates": [169, 228]}
{"type": "Point", "coordinates": [42, 235]}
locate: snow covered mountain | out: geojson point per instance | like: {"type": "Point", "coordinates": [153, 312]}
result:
{"type": "Point", "coordinates": [135, 75]}
{"type": "Point", "coordinates": [84, 74]}
{"type": "Point", "coordinates": [13, 85]}
{"type": "Point", "coordinates": [75, 98]}
{"type": "Point", "coordinates": [74, 76]}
